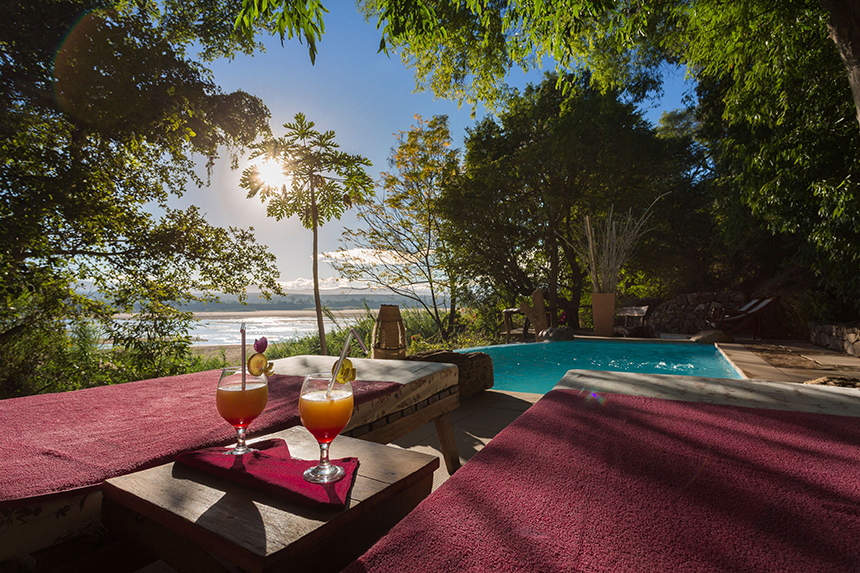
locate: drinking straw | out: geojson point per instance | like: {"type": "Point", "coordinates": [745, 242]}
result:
{"type": "Point", "coordinates": [344, 351]}
{"type": "Point", "coordinates": [242, 330]}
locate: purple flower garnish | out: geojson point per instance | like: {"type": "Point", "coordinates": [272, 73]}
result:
{"type": "Point", "coordinates": [261, 345]}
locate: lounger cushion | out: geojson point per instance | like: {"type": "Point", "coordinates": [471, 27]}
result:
{"type": "Point", "coordinates": [66, 441]}
{"type": "Point", "coordinates": [613, 483]}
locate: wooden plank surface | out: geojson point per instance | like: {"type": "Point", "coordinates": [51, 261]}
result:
{"type": "Point", "coordinates": [256, 529]}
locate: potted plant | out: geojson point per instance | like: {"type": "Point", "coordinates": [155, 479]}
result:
{"type": "Point", "coordinates": [605, 247]}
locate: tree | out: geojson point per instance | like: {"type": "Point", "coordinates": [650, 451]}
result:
{"type": "Point", "coordinates": [552, 158]}
{"type": "Point", "coordinates": [102, 117]}
{"type": "Point", "coordinates": [323, 183]}
{"type": "Point", "coordinates": [403, 235]}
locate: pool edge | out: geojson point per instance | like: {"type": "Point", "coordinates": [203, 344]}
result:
{"type": "Point", "coordinates": [751, 393]}
{"type": "Point", "coordinates": [751, 365]}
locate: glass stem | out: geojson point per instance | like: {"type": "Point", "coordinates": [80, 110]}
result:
{"type": "Point", "coordinates": [324, 463]}
{"type": "Point", "coordinates": [240, 439]}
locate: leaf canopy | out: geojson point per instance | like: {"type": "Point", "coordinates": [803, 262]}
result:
{"type": "Point", "coordinates": [103, 118]}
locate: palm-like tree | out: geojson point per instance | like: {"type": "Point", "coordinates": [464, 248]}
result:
{"type": "Point", "coordinates": [318, 183]}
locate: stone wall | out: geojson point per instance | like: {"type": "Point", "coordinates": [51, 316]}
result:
{"type": "Point", "coordinates": [843, 338]}
{"type": "Point", "coordinates": [686, 313]}
{"type": "Point", "coordinates": [475, 368]}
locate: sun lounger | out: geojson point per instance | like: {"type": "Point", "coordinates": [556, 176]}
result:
{"type": "Point", "coordinates": [610, 482]}
{"type": "Point", "coordinates": [749, 318]}
{"type": "Point", "coordinates": [59, 448]}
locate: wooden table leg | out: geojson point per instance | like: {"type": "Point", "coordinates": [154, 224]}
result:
{"type": "Point", "coordinates": [447, 442]}
{"type": "Point", "coordinates": [183, 556]}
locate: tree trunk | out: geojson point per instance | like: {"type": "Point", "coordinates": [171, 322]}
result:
{"type": "Point", "coordinates": [553, 276]}
{"type": "Point", "coordinates": [843, 26]}
{"type": "Point", "coordinates": [452, 310]}
{"type": "Point", "coordinates": [452, 316]}
{"type": "Point", "coordinates": [317, 301]}
{"type": "Point", "coordinates": [575, 285]}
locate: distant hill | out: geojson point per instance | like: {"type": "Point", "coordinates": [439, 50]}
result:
{"type": "Point", "coordinates": [301, 302]}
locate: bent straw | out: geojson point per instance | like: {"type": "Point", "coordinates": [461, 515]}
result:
{"type": "Point", "coordinates": [344, 351]}
{"type": "Point", "coordinates": [242, 330]}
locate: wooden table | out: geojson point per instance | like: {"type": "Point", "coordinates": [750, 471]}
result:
{"type": "Point", "coordinates": [184, 514]}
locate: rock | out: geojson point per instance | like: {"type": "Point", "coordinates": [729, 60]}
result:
{"type": "Point", "coordinates": [711, 336]}
{"type": "Point", "coordinates": [556, 334]}
{"type": "Point", "coordinates": [475, 368]}
{"type": "Point", "coordinates": [843, 381]}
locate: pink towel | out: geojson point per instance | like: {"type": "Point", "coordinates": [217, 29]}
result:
{"type": "Point", "coordinates": [72, 440]}
{"type": "Point", "coordinates": [273, 469]}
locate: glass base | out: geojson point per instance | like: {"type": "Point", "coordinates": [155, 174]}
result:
{"type": "Point", "coordinates": [324, 474]}
{"type": "Point", "coordinates": [239, 451]}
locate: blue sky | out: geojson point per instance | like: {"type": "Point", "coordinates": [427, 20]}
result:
{"type": "Point", "coordinates": [365, 97]}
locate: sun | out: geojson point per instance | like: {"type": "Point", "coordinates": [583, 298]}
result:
{"type": "Point", "coordinates": [271, 174]}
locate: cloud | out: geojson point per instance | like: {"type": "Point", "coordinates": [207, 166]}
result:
{"type": "Point", "coordinates": [334, 285]}
{"type": "Point", "coordinates": [366, 257]}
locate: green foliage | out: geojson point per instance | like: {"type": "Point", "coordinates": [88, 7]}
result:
{"type": "Point", "coordinates": [44, 349]}
{"type": "Point", "coordinates": [323, 182]}
{"type": "Point", "coordinates": [401, 248]}
{"type": "Point", "coordinates": [287, 17]}
{"type": "Point", "coordinates": [527, 179]}
{"type": "Point", "coordinates": [792, 166]}
{"type": "Point", "coordinates": [202, 364]}
{"type": "Point", "coordinates": [103, 116]}
{"type": "Point", "coordinates": [474, 326]}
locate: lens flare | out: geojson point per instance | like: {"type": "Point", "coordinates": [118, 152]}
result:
{"type": "Point", "coordinates": [81, 64]}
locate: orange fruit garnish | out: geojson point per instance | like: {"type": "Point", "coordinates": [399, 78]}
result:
{"type": "Point", "coordinates": [257, 364]}
{"type": "Point", "coordinates": [347, 372]}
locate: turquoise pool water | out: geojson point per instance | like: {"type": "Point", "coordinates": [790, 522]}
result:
{"type": "Point", "coordinates": [537, 367]}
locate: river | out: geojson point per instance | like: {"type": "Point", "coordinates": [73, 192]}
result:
{"type": "Point", "coordinates": [222, 328]}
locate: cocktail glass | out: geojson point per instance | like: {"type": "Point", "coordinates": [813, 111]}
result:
{"type": "Point", "coordinates": [325, 414]}
{"type": "Point", "coordinates": [240, 402]}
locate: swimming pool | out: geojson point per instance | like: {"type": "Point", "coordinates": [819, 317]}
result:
{"type": "Point", "coordinates": [537, 367]}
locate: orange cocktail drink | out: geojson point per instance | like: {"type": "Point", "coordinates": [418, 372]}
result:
{"type": "Point", "coordinates": [325, 416]}
{"type": "Point", "coordinates": [240, 407]}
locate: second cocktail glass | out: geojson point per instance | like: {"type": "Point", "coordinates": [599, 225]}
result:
{"type": "Point", "coordinates": [325, 414]}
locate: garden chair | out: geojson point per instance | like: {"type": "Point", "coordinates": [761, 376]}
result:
{"type": "Point", "coordinates": [512, 331]}
{"type": "Point", "coordinates": [630, 321]}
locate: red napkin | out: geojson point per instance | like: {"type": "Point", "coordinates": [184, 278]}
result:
{"type": "Point", "coordinates": [272, 469]}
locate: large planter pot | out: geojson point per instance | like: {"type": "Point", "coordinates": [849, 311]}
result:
{"type": "Point", "coordinates": [603, 307]}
